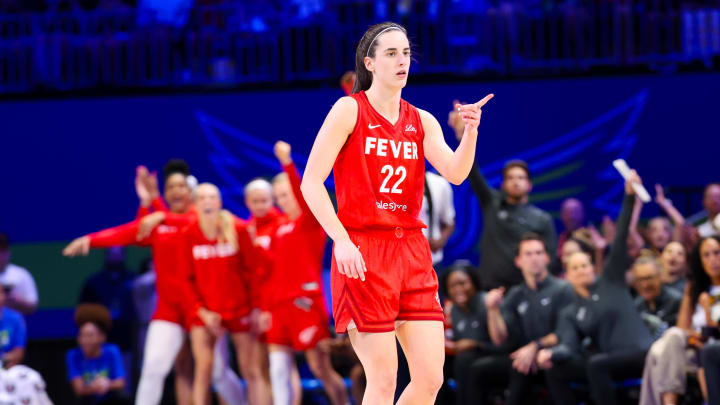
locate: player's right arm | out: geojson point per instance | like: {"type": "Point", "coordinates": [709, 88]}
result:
{"type": "Point", "coordinates": [333, 134]}
{"type": "Point", "coordinates": [122, 235]}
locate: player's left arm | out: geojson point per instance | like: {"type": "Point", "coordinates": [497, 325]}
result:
{"type": "Point", "coordinates": [453, 166]}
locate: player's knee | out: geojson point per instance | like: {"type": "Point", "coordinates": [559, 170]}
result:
{"type": "Point", "coordinates": [383, 382]}
{"type": "Point", "coordinates": [431, 381]}
{"type": "Point", "coordinates": [251, 372]}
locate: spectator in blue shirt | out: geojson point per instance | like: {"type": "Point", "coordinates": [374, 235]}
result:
{"type": "Point", "coordinates": [95, 368]}
{"type": "Point", "coordinates": [12, 334]}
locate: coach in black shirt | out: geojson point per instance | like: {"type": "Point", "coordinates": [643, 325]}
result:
{"type": "Point", "coordinates": [604, 311]}
{"type": "Point", "coordinates": [528, 314]}
{"type": "Point", "coordinates": [507, 216]}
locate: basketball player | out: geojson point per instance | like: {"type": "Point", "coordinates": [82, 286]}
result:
{"type": "Point", "coordinates": [166, 333]}
{"type": "Point", "coordinates": [383, 283]}
{"type": "Point", "coordinates": [299, 320]}
{"type": "Point", "coordinates": [217, 255]}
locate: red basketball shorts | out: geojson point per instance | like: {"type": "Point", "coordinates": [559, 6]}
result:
{"type": "Point", "coordinates": [299, 324]}
{"type": "Point", "coordinates": [174, 311]}
{"type": "Point", "coordinates": [400, 283]}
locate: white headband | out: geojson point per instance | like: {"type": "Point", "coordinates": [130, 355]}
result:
{"type": "Point", "coordinates": [192, 182]}
{"type": "Point", "coordinates": [394, 27]}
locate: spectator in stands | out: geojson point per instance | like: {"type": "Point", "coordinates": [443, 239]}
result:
{"type": "Point", "coordinates": [527, 316]}
{"type": "Point", "coordinates": [658, 304]}
{"type": "Point", "coordinates": [21, 292]}
{"type": "Point", "coordinates": [658, 234]}
{"type": "Point", "coordinates": [477, 359]}
{"type": "Point", "coordinates": [603, 310]}
{"type": "Point", "coordinates": [677, 229]}
{"type": "Point", "coordinates": [12, 333]}
{"type": "Point", "coordinates": [95, 368]}
{"type": "Point", "coordinates": [112, 287]}
{"type": "Point", "coordinates": [572, 216]}
{"type": "Point", "coordinates": [586, 240]}
{"type": "Point", "coordinates": [23, 385]}
{"type": "Point", "coordinates": [438, 213]}
{"type": "Point", "coordinates": [711, 203]}
{"type": "Point", "coordinates": [674, 266]}
{"type": "Point", "coordinates": [664, 377]}
{"type": "Point", "coordinates": [507, 216]}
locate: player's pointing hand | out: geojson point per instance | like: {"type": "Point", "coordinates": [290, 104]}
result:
{"type": "Point", "coordinates": [470, 114]}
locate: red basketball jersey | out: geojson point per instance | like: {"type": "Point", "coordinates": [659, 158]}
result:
{"type": "Point", "coordinates": [380, 171]}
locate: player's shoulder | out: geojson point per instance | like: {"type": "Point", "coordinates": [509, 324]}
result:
{"type": "Point", "coordinates": [346, 104]}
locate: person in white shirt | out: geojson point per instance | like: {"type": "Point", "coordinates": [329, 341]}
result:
{"type": "Point", "coordinates": [711, 203]}
{"type": "Point", "coordinates": [22, 385]}
{"type": "Point", "coordinates": [20, 287]}
{"type": "Point", "coordinates": [438, 213]}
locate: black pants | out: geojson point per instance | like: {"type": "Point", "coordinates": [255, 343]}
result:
{"type": "Point", "coordinates": [478, 373]}
{"type": "Point", "coordinates": [710, 359]}
{"type": "Point", "coordinates": [599, 371]}
{"type": "Point", "coordinates": [520, 386]}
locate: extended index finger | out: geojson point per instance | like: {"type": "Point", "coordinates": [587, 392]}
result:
{"type": "Point", "coordinates": [482, 102]}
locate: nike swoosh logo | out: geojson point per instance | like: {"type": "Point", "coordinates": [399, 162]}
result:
{"type": "Point", "coordinates": [374, 126]}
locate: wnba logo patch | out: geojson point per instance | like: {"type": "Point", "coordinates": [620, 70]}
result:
{"type": "Point", "coordinates": [410, 128]}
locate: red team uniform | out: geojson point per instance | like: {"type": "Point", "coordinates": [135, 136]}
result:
{"type": "Point", "coordinates": [217, 276]}
{"type": "Point", "coordinates": [265, 228]}
{"type": "Point", "coordinates": [165, 243]}
{"type": "Point", "coordinates": [295, 300]}
{"type": "Point", "coordinates": [379, 180]}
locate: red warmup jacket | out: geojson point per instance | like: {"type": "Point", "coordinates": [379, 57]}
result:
{"type": "Point", "coordinates": [217, 274]}
{"type": "Point", "coordinates": [295, 255]}
{"type": "Point", "coordinates": [265, 228]}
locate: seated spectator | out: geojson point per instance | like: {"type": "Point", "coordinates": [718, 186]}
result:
{"type": "Point", "coordinates": [95, 368]}
{"type": "Point", "coordinates": [657, 304]}
{"type": "Point", "coordinates": [674, 266]}
{"type": "Point", "coordinates": [477, 360]}
{"type": "Point", "coordinates": [23, 385]}
{"type": "Point", "coordinates": [711, 203]}
{"type": "Point", "coordinates": [12, 333]}
{"type": "Point", "coordinates": [658, 234]}
{"type": "Point", "coordinates": [19, 285]}
{"type": "Point", "coordinates": [667, 363]}
{"type": "Point", "coordinates": [572, 216]}
{"type": "Point", "coordinates": [678, 226]}
{"type": "Point", "coordinates": [112, 287]}
{"type": "Point", "coordinates": [603, 311]}
{"type": "Point", "coordinates": [586, 240]}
